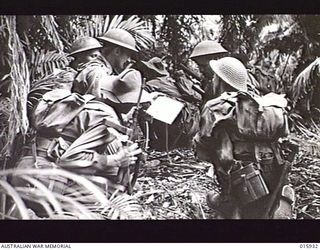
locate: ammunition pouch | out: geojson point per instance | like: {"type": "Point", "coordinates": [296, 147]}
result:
{"type": "Point", "coordinates": [56, 148]}
{"type": "Point", "coordinates": [248, 184]}
{"type": "Point", "coordinates": [47, 148]}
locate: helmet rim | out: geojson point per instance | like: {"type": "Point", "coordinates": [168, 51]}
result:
{"type": "Point", "coordinates": [84, 44]}
{"type": "Point", "coordinates": [111, 37]}
{"type": "Point", "coordinates": [208, 47]}
{"type": "Point", "coordinates": [231, 71]}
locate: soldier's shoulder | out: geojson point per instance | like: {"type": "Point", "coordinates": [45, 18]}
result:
{"type": "Point", "coordinates": [225, 98]}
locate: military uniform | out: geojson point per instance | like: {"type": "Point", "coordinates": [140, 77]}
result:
{"type": "Point", "coordinates": [231, 141]}
{"type": "Point", "coordinates": [72, 132]}
{"type": "Point", "coordinates": [239, 133]}
{"type": "Point", "coordinates": [90, 77]}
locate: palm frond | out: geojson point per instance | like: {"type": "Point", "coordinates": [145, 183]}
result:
{"type": "Point", "coordinates": [37, 184]}
{"type": "Point", "coordinates": [304, 82]}
{"type": "Point", "coordinates": [49, 25]}
{"type": "Point", "coordinates": [43, 63]}
{"type": "Point", "coordinates": [39, 193]}
{"type": "Point", "coordinates": [98, 25]}
{"type": "Point", "coordinates": [71, 208]}
{"type": "Point", "coordinates": [18, 121]}
{"type": "Point", "coordinates": [6, 188]}
{"type": "Point", "coordinates": [116, 21]}
{"type": "Point", "coordinates": [140, 32]}
{"type": "Point", "coordinates": [84, 199]}
{"type": "Point", "coordinates": [122, 206]}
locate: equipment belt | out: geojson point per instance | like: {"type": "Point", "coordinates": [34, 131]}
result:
{"type": "Point", "coordinates": [43, 143]}
{"type": "Point", "coordinates": [40, 153]}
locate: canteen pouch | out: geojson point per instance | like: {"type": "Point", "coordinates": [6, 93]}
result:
{"type": "Point", "coordinates": [248, 184]}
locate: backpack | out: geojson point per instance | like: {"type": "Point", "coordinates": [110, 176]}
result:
{"type": "Point", "coordinates": [237, 123]}
{"type": "Point", "coordinates": [59, 79]}
{"type": "Point", "coordinates": [56, 109]}
{"type": "Point", "coordinates": [254, 117]}
{"type": "Point", "coordinates": [261, 118]}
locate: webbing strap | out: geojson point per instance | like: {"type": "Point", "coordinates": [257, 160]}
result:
{"type": "Point", "coordinates": [118, 127]}
{"type": "Point", "coordinates": [34, 152]}
{"type": "Point", "coordinates": [276, 152]}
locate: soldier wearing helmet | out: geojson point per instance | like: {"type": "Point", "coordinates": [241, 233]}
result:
{"type": "Point", "coordinates": [239, 133]}
{"type": "Point", "coordinates": [118, 47]}
{"type": "Point", "coordinates": [90, 66]}
{"type": "Point", "coordinates": [85, 49]}
{"type": "Point", "coordinates": [202, 53]}
{"type": "Point", "coordinates": [122, 89]}
{"type": "Point", "coordinates": [205, 51]}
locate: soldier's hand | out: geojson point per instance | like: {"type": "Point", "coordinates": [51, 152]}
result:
{"type": "Point", "coordinates": [129, 116]}
{"type": "Point", "coordinates": [128, 155]}
{"type": "Point", "coordinates": [154, 95]}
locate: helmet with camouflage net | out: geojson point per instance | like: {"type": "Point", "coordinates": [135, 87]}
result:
{"type": "Point", "coordinates": [83, 44]}
{"type": "Point", "coordinates": [121, 38]}
{"type": "Point", "coordinates": [232, 71]}
{"type": "Point", "coordinates": [208, 47]}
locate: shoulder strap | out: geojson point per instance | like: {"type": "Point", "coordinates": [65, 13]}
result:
{"type": "Point", "coordinates": [118, 127]}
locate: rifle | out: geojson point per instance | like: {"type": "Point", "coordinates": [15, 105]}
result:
{"type": "Point", "coordinates": [277, 191]}
{"type": "Point", "coordinates": [190, 72]}
{"type": "Point", "coordinates": [134, 126]}
{"type": "Point", "coordinates": [194, 75]}
{"type": "Point", "coordinates": [293, 149]}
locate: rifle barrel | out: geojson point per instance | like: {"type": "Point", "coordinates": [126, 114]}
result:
{"type": "Point", "coordinates": [195, 87]}
{"type": "Point", "coordinates": [198, 89]}
{"type": "Point", "coordinates": [135, 123]}
{"type": "Point", "coordinates": [190, 72]}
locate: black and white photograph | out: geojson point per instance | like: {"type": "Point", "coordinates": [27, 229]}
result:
{"type": "Point", "coordinates": [160, 117]}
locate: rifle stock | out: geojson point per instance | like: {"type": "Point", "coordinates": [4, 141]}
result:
{"type": "Point", "coordinates": [277, 191]}
{"type": "Point", "coordinates": [293, 148]}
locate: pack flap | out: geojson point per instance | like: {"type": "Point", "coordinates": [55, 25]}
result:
{"type": "Point", "coordinates": [271, 99]}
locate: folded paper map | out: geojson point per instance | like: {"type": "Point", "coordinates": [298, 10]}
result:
{"type": "Point", "coordinates": [165, 109]}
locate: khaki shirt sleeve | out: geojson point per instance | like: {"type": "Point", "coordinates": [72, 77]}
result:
{"type": "Point", "coordinates": [93, 138]}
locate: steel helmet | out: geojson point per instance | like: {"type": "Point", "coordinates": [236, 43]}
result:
{"type": "Point", "coordinates": [120, 37]}
{"type": "Point", "coordinates": [232, 71]}
{"type": "Point", "coordinates": [207, 48]}
{"type": "Point", "coordinates": [84, 44]}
